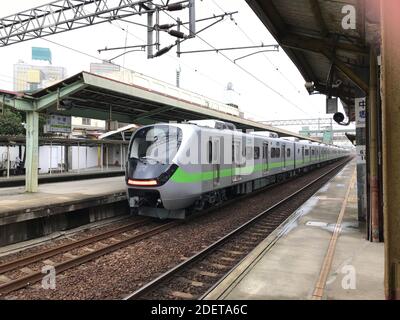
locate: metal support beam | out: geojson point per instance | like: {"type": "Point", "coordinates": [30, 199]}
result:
{"type": "Point", "coordinates": [192, 18]}
{"type": "Point", "coordinates": [150, 33]}
{"type": "Point", "coordinates": [300, 42]}
{"type": "Point", "coordinates": [32, 151]}
{"type": "Point", "coordinates": [61, 16]}
{"type": "Point", "coordinates": [373, 150]}
{"type": "Point", "coordinates": [23, 104]}
{"type": "Point", "coordinates": [390, 24]}
{"type": "Point", "coordinates": [52, 98]}
{"type": "Point", "coordinates": [316, 9]}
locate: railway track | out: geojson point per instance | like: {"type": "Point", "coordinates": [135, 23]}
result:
{"type": "Point", "coordinates": [198, 274]}
{"type": "Point", "coordinates": [71, 260]}
{"type": "Point", "coordinates": [73, 254]}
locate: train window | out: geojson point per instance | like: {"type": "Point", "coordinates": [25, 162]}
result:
{"type": "Point", "coordinates": [278, 153]}
{"type": "Point", "coordinates": [216, 156]}
{"type": "Point", "coordinates": [256, 153]}
{"type": "Point", "coordinates": [273, 152]}
{"type": "Point", "coordinates": [210, 151]}
{"type": "Point", "coordinates": [307, 152]}
{"type": "Point", "coordinates": [313, 152]}
{"type": "Point", "coordinates": [249, 153]}
{"type": "Point", "coordinates": [288, 153]}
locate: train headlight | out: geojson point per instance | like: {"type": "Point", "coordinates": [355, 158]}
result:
{"type": "Point", "coordinates": [142, 183]}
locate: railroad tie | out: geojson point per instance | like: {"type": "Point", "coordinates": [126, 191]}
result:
{"type": "Point", "coordinates": [228, 259]}
{"type": "Point", "coordinates": [4, 279]}
{"type": "Point", "coordinates": [233, 253]}
{"type": "Point", "coordinates": [193, 283]}
{"type": "Point", "coordinates": [217, 265]}
{"type": "Point", "coordinates": [182, 295]}
{"type": "Point", "coordinates": [69, 255]}
{"type": "Point", "coordinates": [49, 262]}
{"type": "Point", "coordinates": [206, 273]}
{"type": "Point", "coordinates": [26, 270]}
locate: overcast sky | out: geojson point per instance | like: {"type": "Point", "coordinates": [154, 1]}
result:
{"type": "Point", "coordinates": [205, 73]}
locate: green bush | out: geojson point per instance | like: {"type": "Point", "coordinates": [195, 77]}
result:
{"type": "Point", "coordinates": [11, 123]}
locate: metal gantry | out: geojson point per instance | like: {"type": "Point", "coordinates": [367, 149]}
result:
{"type": "Point", "coordinates": [299, 122]}
{"type": "Point", "coordinates": [65, 15]}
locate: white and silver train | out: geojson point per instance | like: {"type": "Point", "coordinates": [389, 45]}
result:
{"type": "Point", "coordinates": [176, 169]}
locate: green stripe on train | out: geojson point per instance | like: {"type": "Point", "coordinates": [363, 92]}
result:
{"type": "Point", "coordinates": [181, 176]}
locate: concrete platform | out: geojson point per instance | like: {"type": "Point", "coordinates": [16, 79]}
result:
{"type": "Point", "coordinates": [17, 181]}
{"type": "Point", "coordinates": [314, 254]}
{"type": "Point", "coordinates": [27, 215]}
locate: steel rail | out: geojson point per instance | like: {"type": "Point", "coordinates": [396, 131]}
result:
{"type": "Point", "coordinates": [8, 266]}
{"type": "Point", "coordinates": [63, 266]}
{"type": "Point", "coordinates": [214, 246]}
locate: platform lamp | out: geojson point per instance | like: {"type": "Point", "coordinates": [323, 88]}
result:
{"type": "Point", "coordinates": [339, 119]}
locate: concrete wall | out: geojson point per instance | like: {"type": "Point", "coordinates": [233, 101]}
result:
{"type": "Point", "coordinates": [88, 157]}
{"type": "Point", "coordinates": [114, 155]}
{"type": "Point", "coordinates": [52, 157]}
{"type": "Point", "coordinates": [13, 155]}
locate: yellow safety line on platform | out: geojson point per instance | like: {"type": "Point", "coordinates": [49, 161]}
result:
{"type": "Point", "coordinates": [327, 264]}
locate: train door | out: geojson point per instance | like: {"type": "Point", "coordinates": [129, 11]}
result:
{"type": "Point", "coordinates": [284, 156]}
{"type": "Point", "coordinates": [236, 160]}
{"type": "Point", "coordinates": [265, 166]}
{"type": "Point", "coordinates": [216, 161]}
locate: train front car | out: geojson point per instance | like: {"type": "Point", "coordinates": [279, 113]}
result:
{"type": "Point", "coordinates": [152, 162]}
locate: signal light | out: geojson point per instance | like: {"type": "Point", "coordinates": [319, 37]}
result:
{"type": "Point", "coordinates": [142, 183]}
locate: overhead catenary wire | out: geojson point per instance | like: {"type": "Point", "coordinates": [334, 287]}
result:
{"type": "Point", "coordinates": [275, 67]}
{"type": "Point", "coordinates": [195, 70]}
{"type": "Point", "coordinates": [246, 71]}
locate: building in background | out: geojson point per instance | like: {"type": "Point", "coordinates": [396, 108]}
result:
{"type": "Point", "coordinates": [37, 75]}
{"type": "Point", "coordinates": [104, 68]}
{"type": "Point", "coordinates": [28, 77]}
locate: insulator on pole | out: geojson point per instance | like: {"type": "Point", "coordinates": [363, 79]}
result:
{"type": "Point", "coordinates": [176, 6]}
{"type": "Point", "coordinates": [177, 34]}
{"type": "Point", "coordinates": [165, 26]}
{"type": "Point", "coordinates": [163, 51]}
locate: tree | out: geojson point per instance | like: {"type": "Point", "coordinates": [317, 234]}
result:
{"type": "Point", "coordinates": [11, 123]}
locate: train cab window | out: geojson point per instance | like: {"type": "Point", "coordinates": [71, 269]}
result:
{"type": "Point", "coordinates": [256, 153]}
{"type": "Point", "coordinates": [156, 143]}
{"type": "Point", "coordinates": [288, 153]}
{"type": "Point", "coordinates": [210, 151]}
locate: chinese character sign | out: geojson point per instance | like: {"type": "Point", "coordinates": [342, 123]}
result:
{"type": "Point", "coordinates": [361, 112]}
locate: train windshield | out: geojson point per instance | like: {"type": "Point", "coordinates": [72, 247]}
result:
{"type": "Point", "coordinates": [157, 144]}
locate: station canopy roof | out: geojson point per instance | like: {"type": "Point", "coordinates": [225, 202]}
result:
{"type": "Point", "coordinates": [93, 96]}
{"type": "Point", "coordinates": [321, 41]}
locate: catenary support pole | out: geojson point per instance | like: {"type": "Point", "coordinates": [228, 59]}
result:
{"type": "Point", "coordinates": [390, 24]}
{"type": "Point", "coordinates": [373, 150]}
{"type": "Point", "coordinates": [32, 151]}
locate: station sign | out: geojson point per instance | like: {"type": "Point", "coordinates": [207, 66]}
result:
{"type": "Point", "coordinates": [58, 124]}
{"type": "Point", "coordinates": [361, 154]}
{"type": "Point", "coordinates": [361, 112]}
